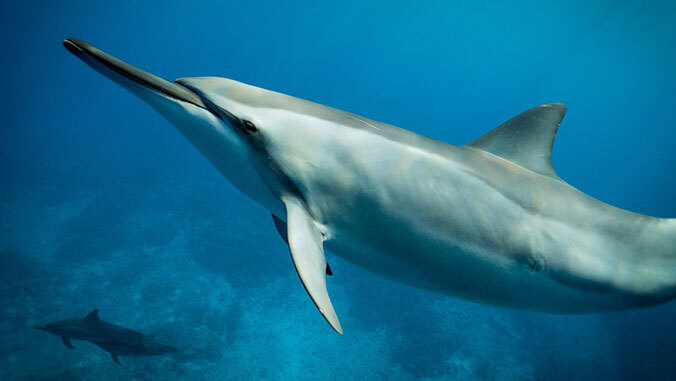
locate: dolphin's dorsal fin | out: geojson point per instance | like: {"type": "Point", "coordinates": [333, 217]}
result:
{"type": "Point", "coordinates": [526, 139]}
{"type": "Point", "coordinates": [115, 358]}
{"type": "Point", "coordinates": [306, 245]}
{"type": "Point", "coordinates": [94, 315]}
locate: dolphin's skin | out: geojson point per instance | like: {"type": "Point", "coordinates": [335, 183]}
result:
{"type": "Point", "coordinates": [144, 348]}
{"type": "Point", "coordinates": [488, 222]}
{"type": "Point", "coordinates": [91, 328]}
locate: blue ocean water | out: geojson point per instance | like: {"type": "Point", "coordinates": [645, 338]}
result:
{"type": "Point", "coordinates": [103, 204]}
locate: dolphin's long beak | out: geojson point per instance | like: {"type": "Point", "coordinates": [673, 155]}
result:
{"type": "Point", "coordinates": [141, 82]}
{"type": "Point", "coordinates": [127, 75]}
{"type": "Point", "coordinates": [214, 131]}
{"type": "Point", "coordinates": [41, 328]}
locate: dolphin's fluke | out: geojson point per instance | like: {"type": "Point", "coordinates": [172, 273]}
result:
{"type": "Point", "coordinates": [306, 246]}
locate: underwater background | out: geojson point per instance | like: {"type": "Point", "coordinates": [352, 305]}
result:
{"type": "Point", "coordinates": [103, 204]}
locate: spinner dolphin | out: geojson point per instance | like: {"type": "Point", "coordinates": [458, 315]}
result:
{"type": "Point", "coordinates": [488, 222]}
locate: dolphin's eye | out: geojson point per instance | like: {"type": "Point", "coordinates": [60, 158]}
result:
{"type": "Point", "coordinates": [247, 125]}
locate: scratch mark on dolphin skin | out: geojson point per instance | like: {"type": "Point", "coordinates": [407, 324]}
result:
{"type": "Point", "coordinates": [361, 120]}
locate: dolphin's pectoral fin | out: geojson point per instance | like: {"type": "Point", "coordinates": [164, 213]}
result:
{"type": "Point", "coordinates": [281, 229]}
{"type": "Point", "coordinates": [526, 139]}
{"type": "Point", "coordinates": [307, 252]}
{"type": "Point", "coordinates": [116, 359]}
{"type": "Point", "coordinates": [67, 342]}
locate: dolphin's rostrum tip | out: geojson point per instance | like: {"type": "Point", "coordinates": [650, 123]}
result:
{"type": "Point", "coordinates": [72, 46]}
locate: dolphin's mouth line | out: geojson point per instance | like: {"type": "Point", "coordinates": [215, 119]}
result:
{"type": "Point", "coordinates": [115, 68]}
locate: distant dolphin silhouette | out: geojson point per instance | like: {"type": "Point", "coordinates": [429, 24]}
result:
{"type": "Point", "coordinates": [91, 328]}
{"type": "Point", "coordinates": [489, 221]}
{"type": "Point", "coordinates": [145, 348]}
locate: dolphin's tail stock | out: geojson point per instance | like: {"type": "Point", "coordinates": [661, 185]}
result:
{"type": "Point", "coordinates": [642, 261]}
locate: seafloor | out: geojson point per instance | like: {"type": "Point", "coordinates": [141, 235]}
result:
{"type": "Point", "coordinates": [213, 279]}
